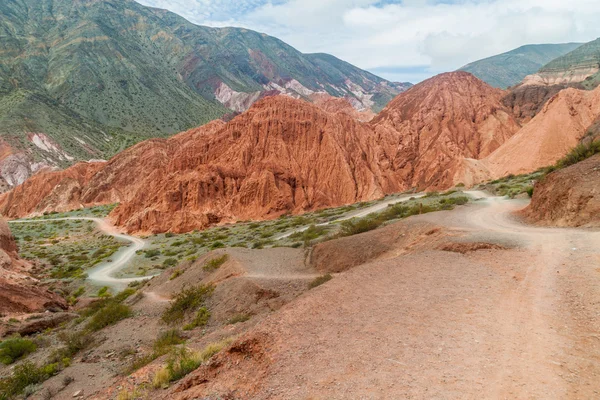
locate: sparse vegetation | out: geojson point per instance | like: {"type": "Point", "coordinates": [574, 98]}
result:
{"type": "Point", "coordinates": [215, 263]}
{"type": "Point", "coordinates": [187, 301]}
{"type": "Point", "coordinates": [201, 319]}
{"type": "Point", "coordinates": [109, 315]}
{"type": "Point", "coordinates": [14, 349]}
{"type": "Point", "coordinates": [236, 319]}
{"type": "Point", "coordinates": [578, 154]}
{"type": "Point", "coordinates": [319, 281]}
{"type": "Point", "coordinates": [182, 361]}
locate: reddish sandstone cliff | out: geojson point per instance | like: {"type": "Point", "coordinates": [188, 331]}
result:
{"type": "Point", "coordinates": [19, 292]}
{"type": "Point", "coordinates": [285, 155]}
{"type": "Point", "coordinates": [568, 197]}
{"type": "Point", "coordinates": [442, 121]}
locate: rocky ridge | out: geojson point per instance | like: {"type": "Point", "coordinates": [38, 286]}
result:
{"type": "Point", "coordinates": [282, 156]}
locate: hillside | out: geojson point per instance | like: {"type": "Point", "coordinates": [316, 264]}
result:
{"type": "Point", "coordinates": [509, 69]}
{"type": "Point", "coordinates": [283, 156]}
{"type": "Point", "coordinates": [578, 66]}
{"type": "Point", "coordinates": [94, 77]}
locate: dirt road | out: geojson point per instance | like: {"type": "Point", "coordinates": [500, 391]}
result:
{"type": "Point", "coordinates": [519, 323]}
{"type": "Point", "coordinates": [102, 274]}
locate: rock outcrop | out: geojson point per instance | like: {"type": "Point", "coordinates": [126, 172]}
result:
{"type": "Point", "coordinates": [19, 292]}
{"type": "Point", "coordinates": [284, 155]}
{"type": "Point", "coordinates": [442, 121]}
{"type": "Point", "coordinates": [568, 197]}
{"type": "Point", "coordinates": [558, 128]}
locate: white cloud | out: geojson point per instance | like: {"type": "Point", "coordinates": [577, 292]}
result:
{"type": "Point", "coordinates": [393, 36]}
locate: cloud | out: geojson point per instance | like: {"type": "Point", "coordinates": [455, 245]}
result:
{"type": "Point", "coordinates": [393, 37]}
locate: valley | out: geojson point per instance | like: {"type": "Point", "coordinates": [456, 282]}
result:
{"type": "Point", "coordinates": [500, 284]}
{"type": "Point", "coordinates": [193, 210]}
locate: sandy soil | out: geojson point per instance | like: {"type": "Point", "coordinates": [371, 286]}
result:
{"type": "Point", "coordinates": [520, 321]}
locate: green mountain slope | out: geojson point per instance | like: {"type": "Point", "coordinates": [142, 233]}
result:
{"type": "Point", "coordinates": [580, 65]}
{"type": "Point", "coordinates": [508, 69]}
{"type": "Point", "coordinates": [96, 75]}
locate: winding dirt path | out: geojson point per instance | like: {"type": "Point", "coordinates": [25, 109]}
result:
{"type": "Point", "coordinates": [103, 273]}
{"type": "Point", "coordinates": [520, 323]}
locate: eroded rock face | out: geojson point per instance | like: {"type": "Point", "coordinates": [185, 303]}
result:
{"type": "Point", "coordinates": [527, 101]}
{"type": "Point", "coordinates": [568, 197]}
{"type": "Point", "coordinates": [19, 292]}
{"type": "Point", "coordinates": [49, 191]}
{"type": "Point", "coordinates": [442, 121]}
{"type": "Point", "coordinates": [284, 155]}
{"type": "Point", "coordinates": [558, 128]}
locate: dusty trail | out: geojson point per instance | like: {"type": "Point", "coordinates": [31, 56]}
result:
{"type": "Point", "coordinates": [103, 273]}
{"type": "Point", "coordinates": [520, 323]}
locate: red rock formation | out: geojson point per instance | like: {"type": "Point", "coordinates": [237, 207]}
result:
{"type": "Point", "coordinates": [442, 121]}
{"type": "Point", "coordinates": [19, 292]}
{"type": "Point", "coordinates": [49, 191]}
{"type": "Point", "coordinates": [283, 155]}
{"type": "Point", "coordinates": [549, 136]}
{"type": "Point", "coordinates": [339, 105]}
{"type": "Point", "coordinates": [568, 197]}
{"type": "Point", "coordinates": [286, 155]}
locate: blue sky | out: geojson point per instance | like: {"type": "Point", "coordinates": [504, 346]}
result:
{"type": "Point", "coordinates": [408, 40]}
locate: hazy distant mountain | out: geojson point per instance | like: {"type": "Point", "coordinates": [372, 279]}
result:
{"type": "Point", "coordinates": [508, 69]}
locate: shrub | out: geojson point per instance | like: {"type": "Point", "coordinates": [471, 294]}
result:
{"type": "Point", "coordinates": [103, 292]}
{"type": "Point", "coordinates": [319, 281]}
{"type": "Point", "coordinates": [166, 340]}
{"type": "Point", "coordinates": [23, 376]}
{"type": "Point", "coordinates": [186, 301]}
{"type": "Point", "coordinates": [217, 245]}
{"type": "Point", "coordinates": [356, 226]}
{"type": "Point", "coordinates": [201, 319]}
{"type": "Point", "coordinates": [529, 191]}
{"type": "Point", "coordinates": [109, 315]}
{"type": "Point", "coordinates": [169, 262]}
{"type": "Point", "coordinates": [176, 274]}
{"type": "Point", "coordinates": [14, 349]}
{"type": "Point", "coordinates": [215, 263]}
{"type": "Point", "coordinates": [239, 318]}
{"type": "Point", "coordinates": [183, 361]}
{"type": "Point", "coordinates": [73, 342]}
{"type": "Point", "coordinates": [579, 153]}
{"type": "Point", "coordinates": [152, 253]}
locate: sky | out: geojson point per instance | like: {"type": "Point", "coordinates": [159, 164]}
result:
{"type": "Point", "coordinates": [402, 40]}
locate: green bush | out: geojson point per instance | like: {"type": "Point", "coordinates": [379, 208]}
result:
{"type": "Point", "coordinates": [239, 318]}
{"type": "Point", "coordinates": [24, 375]}
{"type": "Point", "coordinates": [578, 154]}
{"type": "Point", "coordinates": [109, 315]}
{"type": "Point", "coordinates": [169, 262]}
{"type": "Point", "coordinates": [319, 281]}
{"type": "Point", "coordinates": [187, 301]}
{"type": "Point", "coordinates": [201, 319]}
{"type": "Point", "coordinates": [215, 263]}
{"type": "Point", "coordinates": [530, 191]}
{"type": "Point", "coordinates": [356, 226]}
{"type": "Point", "coordinates": [166, 340]}
{"type": "Point", "coordinates": [14, 349]}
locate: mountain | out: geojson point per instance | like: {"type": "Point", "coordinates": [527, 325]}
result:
{"type": "Point", "coordinates": [580, 66]}
{"type": "Point", "coordinates": [508, 69]}
{"type": "Point", "coordinates": [282, 156]}
{"type": "Point", "coordinates": [441, 121]}
{"type": "Point", "coordinates": [84, 79]}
